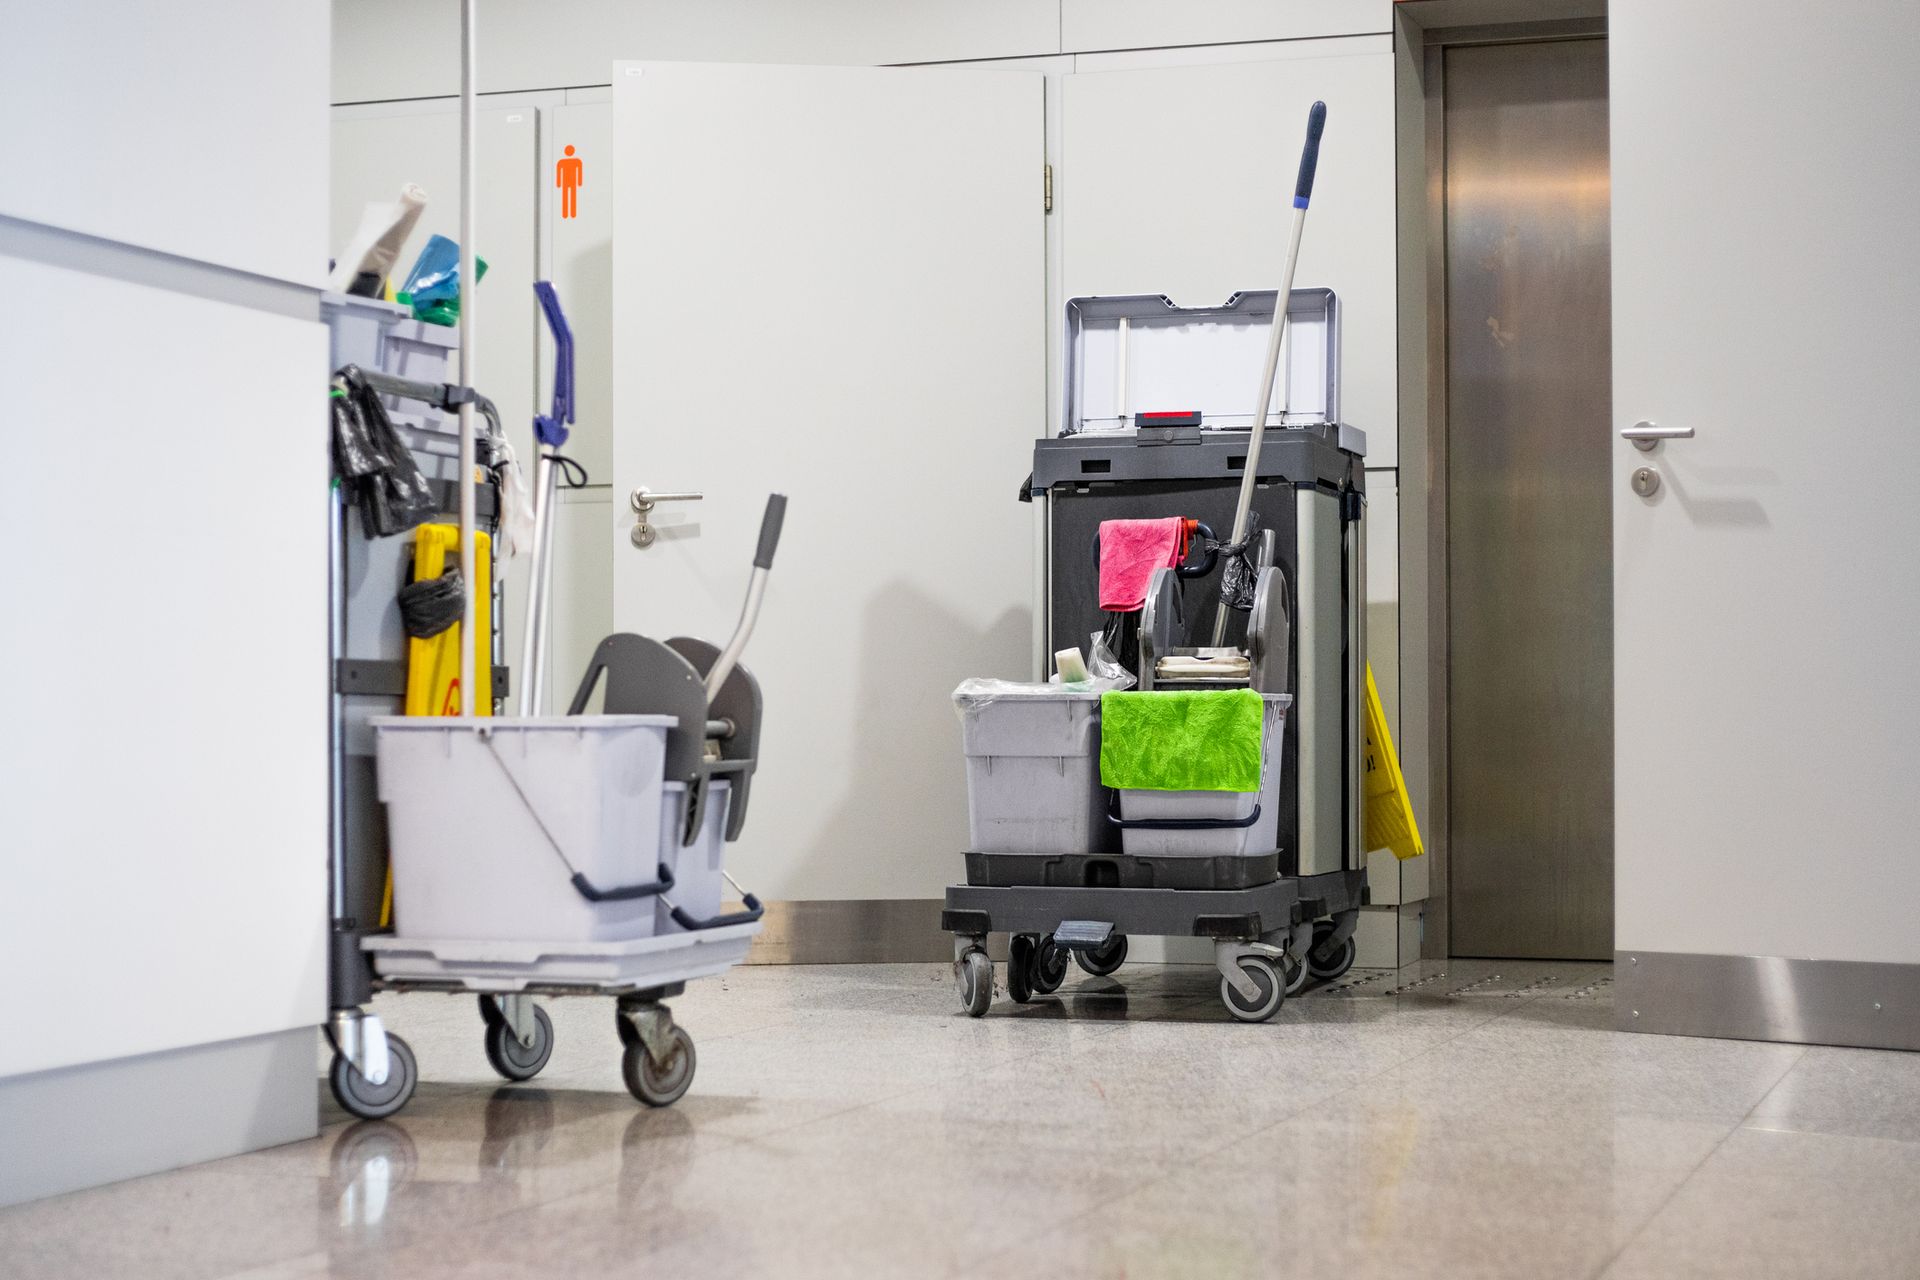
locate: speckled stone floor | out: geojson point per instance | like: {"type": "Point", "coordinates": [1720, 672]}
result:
{"type": "Point", "coordinates": [1453, 1119]}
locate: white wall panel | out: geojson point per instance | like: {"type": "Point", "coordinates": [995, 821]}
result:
{"type": "Point", "coordinates": [196, 127]}
{"type": "Point", "coordinates": [1087, 25]}
{"type": "Point", "coordinates": [1180, 181]}
{"type": "Point", "coordinates": [164, 782]}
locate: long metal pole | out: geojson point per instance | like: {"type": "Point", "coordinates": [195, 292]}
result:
{"type": "Point", "coordinates": [1276, 339]}
{"type": "Point", "coordinates": [469, 566]}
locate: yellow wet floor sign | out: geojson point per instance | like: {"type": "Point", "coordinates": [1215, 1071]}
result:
{"type": "Point", "coordinates": [433, 664]}
{"type": "Point", "coordinates": [1390, 823]}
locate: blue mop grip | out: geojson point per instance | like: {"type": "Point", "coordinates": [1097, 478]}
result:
{"type": "Point", "coordinates": [1310, 155]}
{"type": "Point", "coordinates": [551, 429]}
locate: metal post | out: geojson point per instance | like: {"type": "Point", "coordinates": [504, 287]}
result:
{"type": "Point", "coordinates": [469, 567]}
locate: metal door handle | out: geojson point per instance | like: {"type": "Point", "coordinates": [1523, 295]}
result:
{"type": "Point", "coordinates": [643, 499]}
{"type": "Point", "coordinates": [643, 534]}
{"type": "Point", "coordinates": [1646, 434]}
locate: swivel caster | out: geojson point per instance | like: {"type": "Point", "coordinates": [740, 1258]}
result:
{"type": "Point", "coordinates": [975, 973]}
{"type": "Point", "coordinates": [1336, 964]}
{"type": "Point", "coordinates": [1105, 959]}
{"type": "Point", "coordinates": [1265, 1001]}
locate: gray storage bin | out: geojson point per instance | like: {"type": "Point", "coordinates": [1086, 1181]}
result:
{"type": "Point", "coordinates": [1213, 806]}
{"type": "Point", "coordinates": [476, 808]}
{"type": "Point", "coordinates": [1033, 772]}
{"type": "Point", "coordinates": [385, 337]}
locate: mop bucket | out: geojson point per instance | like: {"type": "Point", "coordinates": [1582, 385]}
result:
{"type": "Point", "coordinates": [1208, 823]}
{"type": "Point", "coordinates": [550, 829]}
{"type": "Point", "coordinates": [1033, 768]}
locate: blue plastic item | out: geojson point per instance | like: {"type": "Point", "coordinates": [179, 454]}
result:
{"type": "Point", "coordinates": [551, 429]}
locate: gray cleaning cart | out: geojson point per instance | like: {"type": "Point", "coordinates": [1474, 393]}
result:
{"type": "Point", "coordinates": [532, 856]}
{"type": "Point", "coordinates": [1157, 425]}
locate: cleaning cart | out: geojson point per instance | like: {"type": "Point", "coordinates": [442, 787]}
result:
{"type": "Point", "coordinates": [1264, 629]}
{"type": "Point", "coordinates": [534, 855]}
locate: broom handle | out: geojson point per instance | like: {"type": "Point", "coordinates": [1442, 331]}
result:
{"type": "Point", "coordinates": [1276, 339]}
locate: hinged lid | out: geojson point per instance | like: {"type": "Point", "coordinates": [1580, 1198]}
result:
{"type": "Point", "coordinates": [1141, 354]}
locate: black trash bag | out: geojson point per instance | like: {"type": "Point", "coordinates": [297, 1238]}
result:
{"type": "Point", "coordinates": [1238, 577]}
{"type": "Point", "coordinates": [431, 605]}
{"type": "Point", "coordinates": [373, 462]}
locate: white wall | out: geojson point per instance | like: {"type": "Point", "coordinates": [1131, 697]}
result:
{"type": "Point", "coordinates": [163, 864]}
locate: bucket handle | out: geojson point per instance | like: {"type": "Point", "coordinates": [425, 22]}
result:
{"type": "Point", "coordinates": [1178, 824]}
{"type": "Point", "coordinates": [690, 922]}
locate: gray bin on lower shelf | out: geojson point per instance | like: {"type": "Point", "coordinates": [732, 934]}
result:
{"type": "Point", "coordinates": [1213, 806]}
{"type": "Point", "coordinates": [1033, 773]}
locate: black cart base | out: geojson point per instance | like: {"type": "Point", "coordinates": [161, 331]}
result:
{"type": "Point", "coordinates": [1268, 939]}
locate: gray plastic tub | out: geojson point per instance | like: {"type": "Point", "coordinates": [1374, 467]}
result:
{"type": "Point", "coordinates": [385, 337]}
{"type": "Point", "coordinates": [1033, 772]}
{"type": "Point", "coordinates": [489, 819]}
{"type": "Point", "coordinates": [1213, 806]}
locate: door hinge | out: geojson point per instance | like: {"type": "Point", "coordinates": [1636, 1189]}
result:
{"type": "Point", "coordinates": [1047, 201]}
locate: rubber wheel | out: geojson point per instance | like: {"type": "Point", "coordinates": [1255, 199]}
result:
{"type": "Point", "coordinates": [1106, 959]}
{"type": "Point", "coordinates": [1049, 966]}
{"type": "Point", "coordinates": [976, 983]}
{"type": "Point", "coordinates": [1272, 993]}
{"type": "Point", "coordinates": [1296, 971]}
{"type": "Point", "coordinates": [509, 1057]}
{"type": "Point", "coordinates": [663, 1085]}
{"type": "Point", "coordinates": [375, 1102]}
{"type": "Point", "coordinates": [1020, 967]}
{"type": "Point", "coordinates": [1342, 960]}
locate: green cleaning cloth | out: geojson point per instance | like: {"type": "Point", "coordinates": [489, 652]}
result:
{"type": "Point", "coordinates": [1180, 740]}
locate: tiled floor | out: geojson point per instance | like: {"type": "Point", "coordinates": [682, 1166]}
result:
{"type": "Point", "coordinates": [1462, 1119]}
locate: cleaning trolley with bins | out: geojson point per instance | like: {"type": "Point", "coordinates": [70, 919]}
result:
{"type": "Point", "coordinates": [1206, 782]}
{"type": "Point", "coordinates": [534, 855]}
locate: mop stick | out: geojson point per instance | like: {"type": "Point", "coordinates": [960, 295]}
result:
{"type": "Point", "coordinates": [469, 568]}
{"type": "Point", "coordinates": [1276, 338]}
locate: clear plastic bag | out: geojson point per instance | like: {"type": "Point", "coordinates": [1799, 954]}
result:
{"type": "Point", "coordinates": [1108, 677]}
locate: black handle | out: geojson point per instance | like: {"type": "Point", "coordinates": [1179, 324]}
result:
{"type": "Point", "coordinates": [1205, 566]}
{"type": "Point", "coordinates": [1178, 824]}
{"type": "Point", "coordinates": [1309, 156]}
{"type": "Point", "coordinates": [753, 912]}
{"type": "Point", "coordinates": [625, 893]}
{"type": "Point", "coordinates": [770, 530]}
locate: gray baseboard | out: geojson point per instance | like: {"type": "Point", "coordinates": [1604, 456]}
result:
{"type": "Point", "coordinates": [852, 931]}
{"type": "Point", "coordinates": [1841, 1002]}
{"type": "Point", "coordinates": [83, 1126]}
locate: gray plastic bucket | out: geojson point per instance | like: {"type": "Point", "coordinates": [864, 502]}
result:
{"type": "Point", "coordinates": [1033, 773]}
{"type": "Point", "coordinates": [476, 808]}
{"type": "Point", "coordinates": [1231, 806]}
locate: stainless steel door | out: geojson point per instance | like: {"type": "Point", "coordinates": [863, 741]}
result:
{"type": "Point", "coordinates": [1529, 526]}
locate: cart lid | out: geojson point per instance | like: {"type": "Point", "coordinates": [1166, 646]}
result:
{"type": "Point", "coordinates": [1140, 354]}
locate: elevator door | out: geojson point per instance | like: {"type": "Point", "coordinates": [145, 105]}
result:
{"type": "Point", "coordinates": [1529, 526]}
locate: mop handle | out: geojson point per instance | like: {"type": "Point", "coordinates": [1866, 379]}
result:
{"type": "Point", "coordinates": [1276, 338]}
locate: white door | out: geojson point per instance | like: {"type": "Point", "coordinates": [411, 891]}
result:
{"type": "Point", "coordinates": [830, 282]}
{"type": "Point", "coordinates": [1767, 595]}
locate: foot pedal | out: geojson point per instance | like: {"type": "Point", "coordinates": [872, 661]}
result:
{"type": "Point", "coordinates": [1082, 935]}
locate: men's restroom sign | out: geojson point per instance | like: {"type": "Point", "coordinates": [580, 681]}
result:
{"type": "Point", "coordinates": [570, 175]}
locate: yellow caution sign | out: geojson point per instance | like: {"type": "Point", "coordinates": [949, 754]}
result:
{"type": "Point", "coordinates": [433, 664]}
{"type": "Point", "coordinates": [1390, 823]}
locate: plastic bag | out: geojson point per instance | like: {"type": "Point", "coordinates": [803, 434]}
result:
{"type": "Point", "coordinates": [1108, 677]}
{"type": "Point", "coordinates": [373, 462]}
{"type": "Point", "coordinates": [516, 504]}
{"type": "Point", "coordinates": [433, 286]}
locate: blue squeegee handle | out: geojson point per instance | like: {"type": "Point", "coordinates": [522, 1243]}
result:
{"type": "Point", "coordinates": [626, 893]}
{"type": "Point", "coordinates": [753, 912]}
{"type": "Point", "coordinates": [1310, 155]}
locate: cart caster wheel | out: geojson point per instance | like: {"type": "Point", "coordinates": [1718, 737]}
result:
{"type": "Point", "coordinates": [663, 1084]}
{"type": "Point", "coordinates": [976, 983]}
{"type": "Point", "coordinates": [1342, 959]}
{"type": "Point", "coordinates": [1020, 948]}
{"type": "Point", "coordinates": [1104, 960]}
{"type": "Point", "coordinates": [1295, 970]}
{"type": "Point", "coordinates": [370, 1101]}
{"type": "Point", "coordinates": [1049, 966]}
{"type": "Point", "coordinates": [1266, 1003]}
{"type": "Point", "coordinates": [513, 1060]}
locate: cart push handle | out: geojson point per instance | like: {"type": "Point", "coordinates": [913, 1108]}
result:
{"type": "Point", "coordinates": [1309, 158]}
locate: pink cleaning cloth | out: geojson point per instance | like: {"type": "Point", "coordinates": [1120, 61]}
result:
{"type": "Point", "coordinates": [1130, 550]}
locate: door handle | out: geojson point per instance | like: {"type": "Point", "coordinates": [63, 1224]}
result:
{"type": "Point", "coordinates": [643, 502]}
{"type": "Point", "coordinates": [1645, 434]}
